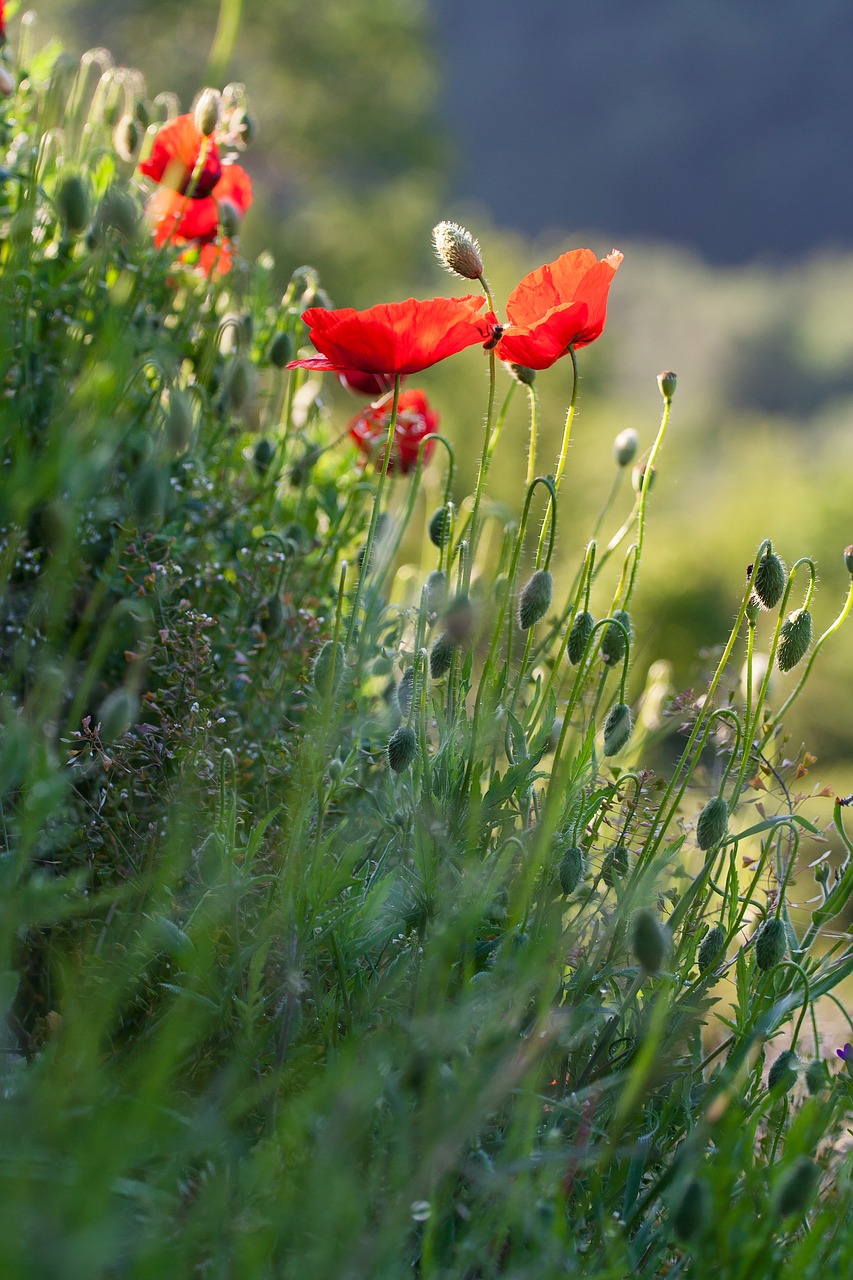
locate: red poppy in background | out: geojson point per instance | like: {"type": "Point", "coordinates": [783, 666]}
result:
{"type": "Point", "coordinates": [394, 337]}
{"type": "Point", "coordinates": [2, 20]}
{"type": "Point", "coordinates": [415, 419]}
{"type": "Point", "coordinates": [560, 305]}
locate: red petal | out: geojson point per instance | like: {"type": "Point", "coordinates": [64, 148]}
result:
{"type": "Point", "coordinates": [550, 286]}
{"type": "Point", "coordinates": [540, 345]}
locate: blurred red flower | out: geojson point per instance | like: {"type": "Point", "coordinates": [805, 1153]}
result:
{"type": "Point", "coordinates": [560, 305]}
{"type": "Point", "coordinates": [2, 20]}
{"type": "Point", "coordinates": [415, 419]}
{"type": "Point", "coordinates": [394, 337]}
{"type": "Point", "coordinates": [185, 211]}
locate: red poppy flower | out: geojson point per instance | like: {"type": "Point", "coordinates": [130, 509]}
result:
{"type": "Point", "coordinates": [394, 337]}
{"type": "Point", "coordinates": [2, 20]}
{"type": "Point", "coordinates": [415, 419]}
{"type": "Point", "coordinates": [367, 384]}
{"type": "Point", "coordinates": [179, 218]}
{"type": "Point", "coordinates": [174, 156]}
{"type": "Point", "coordinates": [560, 305]}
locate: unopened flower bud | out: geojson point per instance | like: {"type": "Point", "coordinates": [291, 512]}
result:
{"type": "Point", "coordinates": [691, 1210]}
{"type": "Point", "coordinates": [441, 655]}
{"type": "Point", "coordinates": [797, 1188]}
{"type": "Point", "coordinates": [770, 944]}
{"type": "Point", "coordinates": [795, 639]}
{"type": "Point", "coordinates": [613, 642]}
{"type": "Point", "coordinates": [263, 455]}
{"type": "Point", "coordinates": [713, 823]}
{"type": "Point", "coordinates": [617, 728]}
{"type": "Point", "coordinates": [649, 942]}
{"type": "Point", "coordinates": [439, 526]}
{"type": "Point", "coordinates": [272, 614]}
{"type": "Point", "coordinates": [206, 111]}
{"type": "Point", "coordinates": [571, 869]}
{"type": "Point", "coordinates": [436, 585]}
{"type": "Point", "coordinates": [638, 477]}
{"type": "Point", "coordinates": [579, 634]}
{"type": "Point", "coordinates": [230, 218]}
{"type": "Point", "coordinates": [667, 382]}
{"type": "Point", "coordinates": [402, 748]}
{"type": "Point", "coordinates": [625, 447]}
{"type": "Point", "coordinates": [117, 713]}
{"type": "Point", "coordinates": [770, 579]}
{"type": "Point", "coordinates": [72, 201]}
{"type": "Point", "coordinates": [711, 948]}
{"type": "Point", "coordinates": [848, 559]}
{"type": "Point", "coordinates": [179, 420]}
{"type": "Point", "coordinates": [535, 599]}
{"type": "Point", "coordinates": [816, 1075]}
{"type": "Point", "coordinates": [328, 669]}
{"type": "Point", "coordinates": [457, 250]}
{"type": "Point", "coordinates": [237, 384]}
{"type": "Point", "coordinates": [459, 619]}
{"type": "Point", "coordinates": [522, 374]}
{"type": "Point", "coordinates": [280, 349]}
{"type": "Point", "coordinates": [405, 691]}
{"type": "Point", "coordinates": [127, 138]}
{"type": "Point", "coordinates": [783, 1074]}
{"type": "Point", "coordinates": [614, 867]}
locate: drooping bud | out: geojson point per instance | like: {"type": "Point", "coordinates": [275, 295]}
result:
{"type": "Point", "coordinates": [436, 585]}
{"type": "Point", "coordinates": [237, 384]}
{"type": "Point", "coordinates": [459, 619]}
{"type": "Point", "coordinates": [816, 1076]}
{"type": "Point", "coordinates": [713, 823]}
{"type": "Point", "coordinates": [625, 447]}
{"type": "Point", "coordinates": [691, 1210]}
{"type": "Point", "coordinates": [795, 639]}
{"type": "Point", "coordinates": [579, 634]}
{"type": "Point", "coordinates": [522, 374]}
{"type": "Point", "coordinates": [117, 212]}
{"type": "Point", "coordinates": [72, 201]}
{"type": "Point", "coordinates": [402, 748]}
{"type": "Point", "coordinates": [179, 420]}
{"type": "Point", "coordinates": [328, 669]}
{"type": "Point", "coordinates": [439, 526]}
{"type": "Point", "coordinates": [457, 250]}
{"type": "Point", "coordinates": [613, 640]}
{"type": "Point", "coordinates": [127, 138]}
{"type": "Point", "coordinates": [280, 349]}
{"type": "Point", "coordinates": [614, 867]}
{"type": "Point", "coordinates": [617, 728]}
{"type": "Point", "coordinates": [572, 866]}
{"type": "Point", "coordinates": [848, 559]}
{"type": "Point", "coordinates": [770, 579]}
{"type": "Point", "coordinates": [263, 455]}
{"type": "Point", "coordinates": [272, 614]}
{"type": "Point", "coordinates": [667, 382]}
{"type": "Point", "coordinates": [783, 1074]}
{"type": "Point", "coordinates": [405, 691]}
{"type": "Point", "coordinates": [770, 944]}
{"type": "Point", "coordinates": [797, 1188]}
{"type": "Point", "coordinates": [711, 948]}
{"type": "Point", "coordinates": [206, 111]}
{"type": "Point", "coordinates": [535, 599]}
{"type": "Point", "coordinates": [441, 655]}
{"type": "Point", "coordinates": [638, 477]}
{"type": "Point", "coordinates": [116, 714]}
{"type": "Point", "coordinates": [648, 940]}
{"type": "Point", "coordinates": [230, 218]}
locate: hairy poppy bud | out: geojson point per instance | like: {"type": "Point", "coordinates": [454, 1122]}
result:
{"type": "Point", "coordinates": [405, 691]}
{"type": "Point", "coordinates": [816, 1076]}
{"type": "Point", "coordinates": [617, 728]}
{"type": "Point", "coordinates": [711, 948]}
{"type": "Point", "coordinates": [457, 250]}
{"type": "Point", "coordinates": [237, 384]}
{"type": "Point", "coordinates": [441, 655]}
{"type": "Point", "coordinates": [848, 559]}
{"type": "Point", "coordinates": [783, 1074]}
{"type": "Point", "coordinates": [402, 748]}
{"type": "Point", "coordinates": [795, 639]}
{"type": "Point", "coordinates": [625, 447]}
{"type": "Point", "coordinates": [713, 823]}
{"type": "Point", "coordinates": [206, 111]}
{"type": "Point", "coordinates": [439, 526]}
{"type": "Point", "coordinates": [116, 714]}
{"type": "Point", "coordinates": [615, 865]}
{"type": "Point", "coordinates": [328, 669]}
{"type": "Point", "coordinates": [117, 212]}
{"type": "Point", "coordinates": [797, 1188]}
{"type": "Point", "coordinates": [579, 634]}
{"type": "Point", "coordinates": [691, 1210]}
{"type": "Point", "coordinates": [459, 619]}
{"type": "Point", "coordinates": [613, 640]}
{"type": "Point", "coordinates": [667, 382]}
{"type": "Point", "coordinates": [571, 869]}
{"type": "Point", "coordinates": [179, 420]}
{"type": "Point", "coordinates": [127, 138]}
{"type": "Point", "coordinates": [535, 598]}
{"type": "Point", "coordinates": [280, 349]}
{"type": "Point", "coordinates": [72, 201]}
{"type": "Point", "coordinates": [263, 455]}
{"type": "Point", "coordinates": [436, 585]}
{"type": "Point", "coordinates": [770, 579]}
{"type": "Point", "coordinates": [770, 944]}
{"type": "Point", "coordinates": [522, 374]}
{"type": "Point", "coordinates": [649, 941]}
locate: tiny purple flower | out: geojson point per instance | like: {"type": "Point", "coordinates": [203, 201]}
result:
{"type": "Point", "coordinates": [846, 1054]}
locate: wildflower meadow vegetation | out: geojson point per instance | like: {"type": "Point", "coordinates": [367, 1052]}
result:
{"type": "Point", "coordinates": [367, 909]}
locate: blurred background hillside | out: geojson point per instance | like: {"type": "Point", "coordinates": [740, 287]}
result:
{"type": "Point", "coordinates": [707, 142]}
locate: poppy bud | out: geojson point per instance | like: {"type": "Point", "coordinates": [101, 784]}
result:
{"type": "Point", "coordinates": [457, 250]}
{"type": "Point", "coordinates": [535, 598]}
{"type": "Point", "coordinates": [638, 477]}
{"type": "Point", "coordinates": [402, 748]}
{"type": "Point", "coordinates": [436, 585]}
{"type": "Point", "coordinates": [300, 473]}
{"type": "Point", "coordinates": [625, 447]}
{"type": "Point", "coordinates": [127, 137]}
{"type": "Point", "coordinates": [280, 349]}
{"type": "Point", "coordinates": [649, 941]}
{"type": "Point", "coordinates": [272, 614]}
{"type": "Point", "coordinates": [796, 1188]}
{"type": "Point", "coordinates": [237, 385]}
{"type": "Point", "coordinates": [206, 111]}
{"type": "Point", "coordinates": [691, 1210]}
{"type": "Point", "coordinates": [795, 639]}
{"type": "Point", "coordinates": [816, 1076]}
{"type": "Point", "coordinates": [848, 559]}
{"type": "Point", "coordinates": [571, 869]}
{"type": "Point", "coordinates": [439, 526]}
{"type": "Point", "coordinates": [179, 420]}
{"type": "Point", "coordinates": [336, 769]}
{"type": "Point", "coordinates": [770, 944]}
{"type": "Point", "coordinates": [230, 218]}
{"type": "Point", "coordinates": [405, 691]}
{"type": "Point", "coordinates": [770, 579]}
{"type": "Point", "coordinates": [613, 640]}
{"type": "Point", "coordinates": [328, 669]}
{"type": "Point", "coordinates": [617, 728]}
{"type": "Point", "coordinates": [117, 212]}
{"type": "Point", "coordinates": [263, 455]}
{"type": "Point", "coordinates": [783, 1074]}
{"type": "Point", "coordinates": [116, 714]}
{"type": "Point", "coordinates": [713, 823]}
{"type": "Point", "coordinates": [441, 655]}
{"type": "Point", "coordinates": [150, 492]}
{"type": "Point", "coordinates": [615, 865]}
{"type": "Point", "coordinates": [667, 382]}
{"type": "Point", "coordinates": [72, 201]}
{"type": "Point", "coordinates": [522, 374]}
{"type": "Point", "coordinates": [579, 634]}
{"type": "Point", "coordinates": [711, 948]}
{"type": "Point", "coordinates": [459, 619]}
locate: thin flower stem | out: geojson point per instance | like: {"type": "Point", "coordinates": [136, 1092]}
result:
{"type": "Point", "coordinates": [567, 430]}
{"type": "Point", "coordinates": [643, 496]}
{"type": "Point", "coordinates": [485, 461]}
{"type": "Point", "coordinates": [534, 427]}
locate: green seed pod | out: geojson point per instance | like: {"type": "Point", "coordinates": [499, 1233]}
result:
{"type": "Point", "coordinates": [535, 599]}
{"type": "Point", "coordinates": [816, 1076]}
{"type": "Point", "coordinates": [579, 634]}
{"type": "Point", "coordinates": [691, 1210]}
{"type": "Point", "coordinates": [783, 1074]}
{"type": "Point", "coordinates": [237, 384]}
{"type": "Point", "coordinates": [263, 455]}
{"type": "Point", "coordinates": [571, 871]}
{"type": "Point", "coordinates": [116, 714]}
{"type": "Point", "coordinates": [625, 447]}
{"type": "Point", "coordinates": [617, 728]}
{"type": "Point", "coordinates": [711, 949]}
{"type": "Point", "coordinates": [72, 201]}
{"type": "Point", "coordinates": [795, 639]}
{"type": "Point", "coordinates": [280, 349]}
{"type": "Point", "coordinates": [436, 585]}
{"type": "Point", "coordinates": [649, 941]}
{"type": "Point", "coordinates": [797, 1188]}
{"type": "Point", "coordinates": [179, 420]}
{"type": "Point", "coordinates": [615, 865]}
{"type": "Point", "coordinates": [439, 526]}
{"type": "Point", "coordinates": [328, 669]}
{"type": "Point", "coordinates": [713, 823]}
{"type": "Point", "coordinates": [402, 748]}
{"type": "Point", "coordinates": [770, 579]}
{"type": "Point", "coordinates": [441, 655]}
{"type": "Point", "coordinates": [406, 691]}
{"type": "Point", "coordinates": [667, 382]}
{"type": "Point", "coordinates": [613, 640]}
{"type": "Point", "coordinates": [770, 944]}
